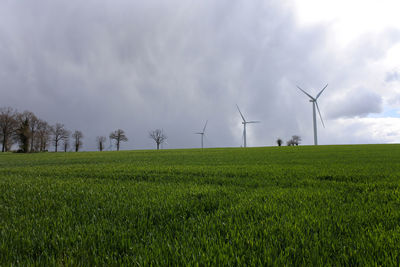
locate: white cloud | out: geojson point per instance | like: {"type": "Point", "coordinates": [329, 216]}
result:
{"type": "Point", "coordinates": [362, 131]}
{"type": "Point", "coordinates": [348, 20]}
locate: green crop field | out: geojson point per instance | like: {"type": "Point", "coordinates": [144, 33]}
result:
{"type": "Point", "coordinates": [326, 205]}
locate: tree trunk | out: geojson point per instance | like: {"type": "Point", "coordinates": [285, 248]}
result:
{"type": "Point", "coordinates": [32, 136]}
{"type": "Point", "coordinates": [43, 145]}
{"type": "Point", "coordinates": [158, 146]}
{"type": "Point", "coordinates": [4, 144]}
{"type": "Point", "coordinates": [117, 145]}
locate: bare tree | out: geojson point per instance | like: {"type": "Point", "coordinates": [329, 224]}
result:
{"type": "Point", "coordinates": [59, 133]}
{"type": "Point", "coordinates": [77, 136]}
{"type": "Point", "coordinates": [279, 141]}
{"type": "Point", "coordinates": [119, 136]}
{"type": "Point", "coordinates": [27, 126]}
{"type": "Point", "coordinates": [296, 140]}
{"type": "Point", "coordinates": [290, 142]}
{"type": "Point", "coordinates": [8, 125]}
{"type": "Point", "coordinates": [158, 136]}
{"type": "Point", "coordinates": [23, 132]}
{"type": "Point", "coordinates": [42, 135]}
{"type": "Point", "coordinates": [100, 142]}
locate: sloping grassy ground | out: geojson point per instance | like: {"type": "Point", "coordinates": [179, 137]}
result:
{"type": "Point", "coordinates": [326, 205]}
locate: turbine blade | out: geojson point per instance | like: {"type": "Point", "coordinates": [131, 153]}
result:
{"type": "Point", "coordinates": [321, 91]}
{"type": "Point", "coordinates": [205, 125]}
{"type": "Point", "coordinates": [198, 133]}
{"type": "Point", "coordinates": [306, 93]}
{"type": "Point", "coordinates": [319, 112]}
{"type": "Point", "coordinates": [240, 113]}
{"type": "Point", "coordinates": [253, 121]}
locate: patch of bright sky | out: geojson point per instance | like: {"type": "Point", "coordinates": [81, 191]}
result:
{"type": "Point", "coordinates": [387, 113]}
{"type": "Point", "coordinates": [349, 18]}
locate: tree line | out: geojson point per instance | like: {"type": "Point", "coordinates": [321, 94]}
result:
{"type": "Point", "coordinates": [33, 134]}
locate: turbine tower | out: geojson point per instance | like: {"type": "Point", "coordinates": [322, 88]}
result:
{"type": "Point", "coordinates": [313, 100]}
{"type": "Point", "coordinates": [244, 122]}
{"type": "Point", "coordinates": [202, 134]}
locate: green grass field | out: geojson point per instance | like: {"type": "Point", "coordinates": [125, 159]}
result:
{"type": "Point", "coordinates": [326, 205]}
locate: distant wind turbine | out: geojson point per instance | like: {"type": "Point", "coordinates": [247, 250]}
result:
{"type": "Point", "coordinates": [202, 134]}
{"type": "Point", "coordinates": [244, 122]}
{"type": "Point", "coordinates": [315, 104]}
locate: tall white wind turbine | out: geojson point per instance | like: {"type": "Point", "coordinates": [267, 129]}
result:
{"type": "Point", "coordinates": [313, 100]}
{"type": "Point", "coordinates": [244, 122]}
{"type": "Point", "coordinates": [202, 134]}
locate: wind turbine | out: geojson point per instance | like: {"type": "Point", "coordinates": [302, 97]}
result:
{"type": "Point", "coordinates": [244, 122]}
{"type": "Point", "coordinates": [315, 104]}
{"type": "Point", "coordinates": [202, 134]}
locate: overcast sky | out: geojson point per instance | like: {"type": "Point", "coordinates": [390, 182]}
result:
{"type": "Point", "coordinates": [100, 65]}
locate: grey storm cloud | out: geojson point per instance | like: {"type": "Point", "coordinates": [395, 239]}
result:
{"type": "Point", "coordinates": [99, 65]}
{"type": "Point", "coordinates": [356, 103]}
